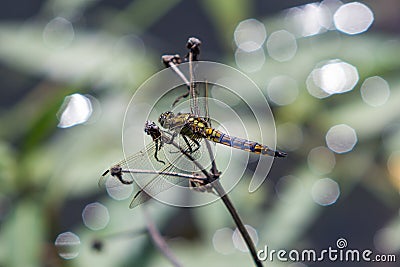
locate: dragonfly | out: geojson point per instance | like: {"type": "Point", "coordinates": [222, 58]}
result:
{"type": "Point", "coordinates": [170, 159]}
{"type": "Point", "coordinates": [173, 156]}
{"type": "Point", "coordinates": [193, 125]}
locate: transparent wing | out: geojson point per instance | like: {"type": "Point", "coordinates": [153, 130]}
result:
{"type": "Point", "coordinates": [159, 183]}
{"type": "Point", "coordinates": [179, 172]}
{"type": "Point", "coordinates": [140, 160]}
{"type": "Point", "coordinates": [151, 176]}
{"type": "Point", "coordinates": [193, 90]}
{"type": "Point", "coordinates": [193, 45]}
{"type": "Point", "coordinates": [199, 100]}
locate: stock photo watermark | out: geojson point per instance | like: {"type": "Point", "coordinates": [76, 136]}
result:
{"type": "Point", "coordinates": [339, 253]}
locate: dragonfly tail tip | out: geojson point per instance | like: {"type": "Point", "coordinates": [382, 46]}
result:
{"type": "Point", "coordinates": [280, 154]}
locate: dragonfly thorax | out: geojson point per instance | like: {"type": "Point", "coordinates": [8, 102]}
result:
{"type": "Point", "coordinates": [165, 119]}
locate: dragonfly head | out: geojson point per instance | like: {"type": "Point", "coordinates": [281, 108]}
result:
{"type": "Point", "coordinates": [152, 129]}
{"type": "Point", "coordinates": [165, 119]}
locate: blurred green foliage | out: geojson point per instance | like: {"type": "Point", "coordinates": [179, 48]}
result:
{"type": "Point", "coordinates": [48, 174]}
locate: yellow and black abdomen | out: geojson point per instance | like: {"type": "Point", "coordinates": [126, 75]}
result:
{"type": "Point", "coordinates": [239, 143]}
{"type": "Point", "coordinates": [197, 128]}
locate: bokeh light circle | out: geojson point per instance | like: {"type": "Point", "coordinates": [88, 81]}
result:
{"type": "Point", "coordinates": [117, 190]}
{"type": "Point", "coordinates": [238, 239]}
{"type": "Point", "coordinates": [386, 240]}
{"type": "Point", "coordinates": [353, 18]}
{"type": "Point", "coordinates": [375, 91]}
{"type": "Point", "coordinates": [341, 138]}
{"type": "Point", "coordinates": [250, 35]}
{"type": "Point", "coordinates": [67, 245]}
{"type": "Point", "coordinates": [76, 109]}
{"type": "Point", "coordinates": [282, 90]}
{"type": "Point", "coordinates": [312, 88]}
{"type": "Point", "coordinates": [250, 61]}
{"type": "Point", "coordinates": [128, 44]}
{"type": "Point", "coordinates": [95, 216]}
{"type": "Point", "coordinates": [325, 191]}
{"type": "Point", "coordinates": [222, 241]}
{"type": "Point", "coordinates": [282, 45]}
{"type": "Point", "coordinates": [58, 33]}
{"type": "Point", "coordinates": [310, 19]}
{"type": "Point", "coordinates": [336, 77]}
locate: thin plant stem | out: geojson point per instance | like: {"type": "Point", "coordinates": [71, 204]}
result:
{"type": "Point", "coordinates": [217, 186]}
{"type": "Point", "coordinates": [228, 204]}
{"type": "Point", "coordinates": [235, 216]}
{"type": "Point", "coordinates": [198, 165]}
{"type": "Point", "coordinates": [180, 74]}
{"type": "Point", "coordinates": [214, 169]}
{"type": "Point", "coordinates": [214, 176]}
{"type": "Point", "coordinates": [158, 240]}
{"type": "Point", "coordinates": [174, 174]}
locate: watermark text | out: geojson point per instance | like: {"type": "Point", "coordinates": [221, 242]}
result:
{"type": "Point", "coordinates": [334, 254]}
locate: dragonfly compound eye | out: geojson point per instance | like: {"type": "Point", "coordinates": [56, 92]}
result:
{"type": "Point", "coordinates": [152, 129]}
{"type": "Point", "coordinates": [165, 118]}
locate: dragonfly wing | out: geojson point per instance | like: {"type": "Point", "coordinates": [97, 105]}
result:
{"type": "Point", "coordinates": [199, 101]}
{"type": "Point", "coordinates": [154, 187]}
{"type": "Point", "coordinates": [143, 159]}
{"type": "Point", "coordinates": [139, 198]}
{"type": "Point", "coordinates": [103, 179]}
{"type": "Point", "coordinates": [178, 164]}
{"type": "Point", "coordinates": [154, 180]}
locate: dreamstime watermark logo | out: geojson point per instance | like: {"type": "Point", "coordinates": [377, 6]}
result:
{"type": "Point", "coordinates": [339, 253]}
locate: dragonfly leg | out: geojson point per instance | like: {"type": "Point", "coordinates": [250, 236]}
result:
{"type": "Point", "coordinates": [185, 95]}
{"type": "Point", "coordinates": [171, 140]}
{"type": "Point", "coordinates": [197, 145]}
{"type": "Point", "coordinates": [190, 148]}
{"type": "Point", "coordinates": [116, 171]}
{"type": "Point", "coordinates": [158, 147]}
{"type": "Point", "coordinates": [179, 98]}
{"type": "Point", "coordinates": [187, 143]}
{"type": "Point", "coordinates": [119, 176]}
